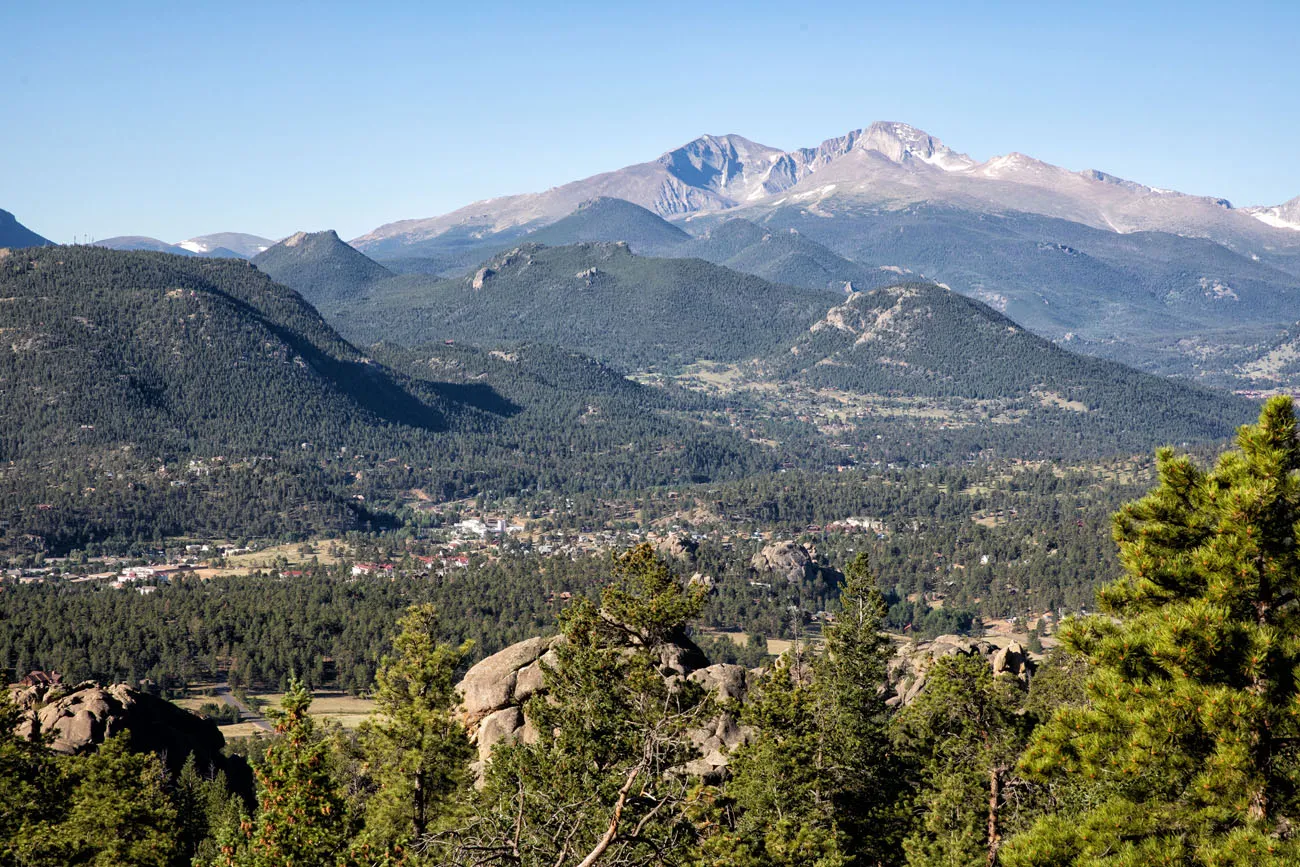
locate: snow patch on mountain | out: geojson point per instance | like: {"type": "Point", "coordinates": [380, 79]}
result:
{"type": "Point", "coordinates": [1285, 216]}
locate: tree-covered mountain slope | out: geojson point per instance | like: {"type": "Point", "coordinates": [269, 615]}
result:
{"type": "Point", "coordinates": [1165, 302]}
{"type": "Point", "coordinates": [599, 299]}
{"type": "Point", "coordinates": [607, 219]}
{"type": "Point", "coordinates": [567, 422]}
{"type": "Point", "coordinates": [920, 340]}
{"type": "Point", "coordinates": [782, 256]}
{"type": "Point", "coordinates": [320, 266]}
{"type": "Point", "coordinates": [15, 234]}
{"type": "Point", "coordinates": [172, 354]}
{"type": "Point", "coordinates": [144, 395]}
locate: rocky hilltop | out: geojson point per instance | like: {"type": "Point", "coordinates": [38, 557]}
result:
{"type": "Point", "coordinates": [494, 693]}
{"type": "Point", "coordinates": [79, 718]}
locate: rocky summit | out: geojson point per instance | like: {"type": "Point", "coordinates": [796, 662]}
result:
{"type": "Point", "coordinates": [79, 718]}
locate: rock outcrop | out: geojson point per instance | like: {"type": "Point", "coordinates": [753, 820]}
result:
{"type": "Point", "coordinates": [494, 683]}
{"type": "Point", "coordinates": [678, 545]}
{"type": "Point", "coordinates": [789, 562]}
{"type": "Point", "coordinates": [494, 691]}
{"type": "Point", "coordinates": [911, 664]}
{"type": "Point", "coordinates": [80, 718]}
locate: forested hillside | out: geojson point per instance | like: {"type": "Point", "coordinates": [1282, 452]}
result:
{"type": "Point", "coordinates": [920, 339]}
{"type": "Point", "coordinates": [322, 268]}
{"type": "Point", "coordinates": [149, 395]}
{"type": "Point", "coordinates": [606, 219]}
{"type": "Point", "coordinates": [176, 356]}
{"type": "Point", "coordinates": [599, 299]}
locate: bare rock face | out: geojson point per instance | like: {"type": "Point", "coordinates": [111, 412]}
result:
{"type": "Point", "coordinates": [911, 664]}
{"type": "Point", "coordinates": [482, 276]}
{"type": "Point", "coordinates": [495, 690]}
{"type": "Point", "coordinates": [727, 682]}
{"type": "Point", "coordinates": [502, 726]}
{"type": "Point", "coordinates": [679, 546]}
{"type": "Point", "coordinates": [680, 656]}
{"type": "Point", "coordinates": [82, 717]}
{"type": "Point", "coordinates": [786, 561]}
{"type": "Point", "coordinates": [1013, 660]}
{"type": "Point", "coordinates": [491, 684]}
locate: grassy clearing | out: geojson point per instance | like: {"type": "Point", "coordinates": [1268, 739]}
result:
{"type": "Point", "coordinates": [292, 553]}
{"type": "Point", "coordinates": [775, 646]}
{"type": "Point", "coordinates": [348, 711]}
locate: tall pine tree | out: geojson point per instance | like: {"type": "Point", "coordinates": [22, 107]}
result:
{"type": "Point", "coordinates": [1186, 750]}
{"type": "Point", "coordinates": [965, 730]}
{"type": "Point", "coordinates": [300, 813]}
{"type": "Point", "coordinates": [416, 752]}
{"type": "Point", "coordinates": [602, 782]}
{"type": "Point", "coordinates": [818, 784]}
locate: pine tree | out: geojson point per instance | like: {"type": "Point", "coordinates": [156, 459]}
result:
{"type": "Point", "coordinates": [1035, 643]}
{"type": "Point", "coordinates": [1185, 751]}
{"type": "Point", "coordinates": [205, 809]}
{"type": "Point", "coordinates": [29, 789]}
{"type": "Point", "coordinates": [777, 810]}
{"type": "Point", "coordinates": [300, 817]}
{"type": "Point", "coordinates": [818, 783]}
{"type": "Point", "coordinates": [416, 752]}
{"type": "Point", "coordinates": [602, 782]}
{"type": "Point", "coordinates": [118, 811]}
{"type": "Point", "coordinates": [966, 730]}
{"type": "Point", "coordinates": [849, 678]}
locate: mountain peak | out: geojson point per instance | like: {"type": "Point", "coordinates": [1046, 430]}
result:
{"type": "Point", "coordinates": [319, 266]}
{"type": "Point", "coordinates": [14, 234]}
{"type": "Point", "coordinates": [1283, 216]}
{"type": "Point", "coordinates": [720, 147]}
{"type": "Point", "coordinates": [329, 236]}
{"type": "Point", "coordinates": [901, 142]}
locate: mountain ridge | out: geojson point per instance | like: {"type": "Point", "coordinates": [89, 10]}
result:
{"type": "Point", "coordinates": [885, 162]}
{"type": "Point", "coordinates": [222, 245]}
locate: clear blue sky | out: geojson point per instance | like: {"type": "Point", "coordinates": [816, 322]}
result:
{"type": "Point", "coordinates": [174, 120]}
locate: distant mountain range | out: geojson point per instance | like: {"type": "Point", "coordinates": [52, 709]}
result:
{"type": "Point", "coordinates": [886, 163]}
{"type": "Point", "coordinates": [1172, 283]}
{"type": "Point", "coordinates": [222, 245]}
